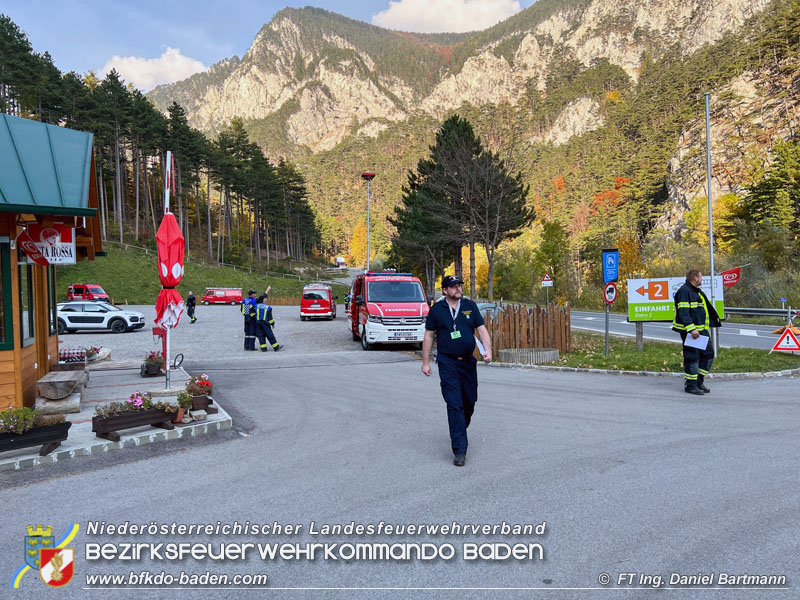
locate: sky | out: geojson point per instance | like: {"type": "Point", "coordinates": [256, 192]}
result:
{"type": "Point", "coordinates": [151, 42]}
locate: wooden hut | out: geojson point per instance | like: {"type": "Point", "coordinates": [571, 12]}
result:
{"type": "Point", "coordinates": [47, 184]}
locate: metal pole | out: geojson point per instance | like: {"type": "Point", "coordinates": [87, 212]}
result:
{"type": "Point", "coordinates": [547, 292]}
{"type": "Point", "coordinates": [167, 186]}
{"type": "Point", "coordinates": [607, 305]}
{"type": "Point", "coordinates": [367, 224]}
{"type": "Point", "coordinates": [710, 215]}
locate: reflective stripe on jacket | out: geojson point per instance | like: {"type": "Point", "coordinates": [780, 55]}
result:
{"type": "Point", "coordinates": [693, 311]}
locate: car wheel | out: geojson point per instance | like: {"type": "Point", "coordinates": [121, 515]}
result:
{"type": "Point", "coordinates": [206, 302]}
{"type": "Point", "coordinates": [302, 318]}
{"type": "Point", "coordinates": [62, 327]}
{"type": "Point", "coordinates": [233, 302]}
{"type": "Point", "coordinates": [364, 343]}
{"type": "Point", "coordinates": [118, 326]}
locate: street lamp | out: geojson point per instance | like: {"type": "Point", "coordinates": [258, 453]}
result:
{"type": "Point", "coordinates": [369, 177]}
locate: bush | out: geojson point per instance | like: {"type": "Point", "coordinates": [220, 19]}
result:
{"type": "Point", "coordinates": [20, 420]}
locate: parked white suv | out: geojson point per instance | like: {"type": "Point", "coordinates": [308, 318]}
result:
{"type": "Point", "coordinates": [96, 315]}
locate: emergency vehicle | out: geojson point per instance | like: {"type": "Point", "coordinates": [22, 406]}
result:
{"type": "Point", "coordinates": [222, 296]}
{"type": "Point", "coordinates": [387, 308]}
{"type": "Point", "coordinates": [87, 291]}
{"type": "Point", "coordinates": [317, 302]}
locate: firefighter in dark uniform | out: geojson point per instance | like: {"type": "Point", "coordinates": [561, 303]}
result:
{"type": "Point", "coordinates": [264, 325]}
{"type": "Point", "coordinates": [191, 303]}
{"type": "Point", "coordinates": [695, 316]}
{"type": "Point", "coordinates": [249, 314]}
{"type": "Point", "coordinates": [454, 320]}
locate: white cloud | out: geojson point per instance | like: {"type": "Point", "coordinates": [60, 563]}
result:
{"type": "Point", "coordinates": [430, 16]}
{"type": "Point", "coordinates": [146, 73]}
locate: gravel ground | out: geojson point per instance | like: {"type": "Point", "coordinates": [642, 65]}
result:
{"type": "Point", "coordinates": [218, 334]}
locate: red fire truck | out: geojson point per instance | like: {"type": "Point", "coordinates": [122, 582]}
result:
{"type": "Point", "coordinates": [387, 308]}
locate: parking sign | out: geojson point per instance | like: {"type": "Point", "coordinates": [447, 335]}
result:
{"type": "Point", "coordinates": [610, 265]}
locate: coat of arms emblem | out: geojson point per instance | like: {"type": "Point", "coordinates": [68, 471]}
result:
{"type": "Point", "coordinates": [38, 537]}
{"type": "Point", "coordinates": [58, 566]}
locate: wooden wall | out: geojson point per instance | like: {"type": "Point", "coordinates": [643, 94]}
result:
{"type": "Point", "coordinates": [21, 368]}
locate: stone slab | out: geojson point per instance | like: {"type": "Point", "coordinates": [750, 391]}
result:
{"type": "Point", "coordinates": [70, 404]}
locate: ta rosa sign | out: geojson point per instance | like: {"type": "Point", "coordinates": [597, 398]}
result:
{"type": "Point", "coordinates": [56, 243]}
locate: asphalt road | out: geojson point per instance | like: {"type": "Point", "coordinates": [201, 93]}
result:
{"type": "Point", "coordinates": [731, 335]}
{"type": "Point", "coordinates": [630, 474]}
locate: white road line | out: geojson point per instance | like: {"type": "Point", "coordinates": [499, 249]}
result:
{"type": "Point", "coordinates": [750, 332]}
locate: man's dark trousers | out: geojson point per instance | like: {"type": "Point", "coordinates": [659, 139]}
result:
{"type": "Point", "coordinates": [250, 333]}
{"type": "Point", "coordinates": [459, 381]}
{"type": "Point", "coordinates": [696, 363]}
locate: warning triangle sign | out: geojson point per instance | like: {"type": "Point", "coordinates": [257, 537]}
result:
{"type": "Point", "coordinates": [787, 342]}
{"type": "Point", "coordinates": [547, 277]}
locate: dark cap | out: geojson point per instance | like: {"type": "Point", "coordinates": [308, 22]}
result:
{"type": "Point", "coordinates": [449, 280]}
{"type": "Point", "coordinates": [251, 292]}
{"type": "Point", "coordinates": [261, 298]}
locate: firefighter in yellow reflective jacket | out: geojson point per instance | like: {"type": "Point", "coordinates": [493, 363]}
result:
{"type": "Point", "coordinates": [264, 325]}
{"type": "Point", "coordinates": [249, 314]}
{"type": "Point", "coordinates": [695, 316]}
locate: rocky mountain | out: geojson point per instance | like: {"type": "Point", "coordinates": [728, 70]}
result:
{"type": "Point", "coordinates": [334, 76]}
{"type": "Point", "coordinates": [568, 70]}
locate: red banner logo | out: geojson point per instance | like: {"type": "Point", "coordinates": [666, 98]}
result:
{"type": "Point", "coordinates": [731, 277]}
{"type": "Point", "coordinates": [29, 247]}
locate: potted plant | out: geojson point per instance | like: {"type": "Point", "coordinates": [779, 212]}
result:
{"type": "Point", "coordinates": [199, 387]}
{"type": "Point", "coordinates": [136, 411]}
{"type": "Point", "coordinates": [184, 404]}
{"type": "Point", "coordinates": [24, 427]}
{"type": "Point", "coordinates": [153, 364]}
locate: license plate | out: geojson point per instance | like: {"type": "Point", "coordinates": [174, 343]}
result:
{"type": "Point", "coordinates": [315, 306]}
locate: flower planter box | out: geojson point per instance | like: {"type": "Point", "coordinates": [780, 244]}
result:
{"type": "Point", "coordinates": [48, 436]}
{"type": "Point", "coordinates": [150, 370]}
{"type": "Point", "coordinates": [106, 427]}
{"type": "Point", "coordinates": [200, 402]}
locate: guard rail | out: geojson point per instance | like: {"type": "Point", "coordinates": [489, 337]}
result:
{"type": "Point", "coordinates": [761, 312]}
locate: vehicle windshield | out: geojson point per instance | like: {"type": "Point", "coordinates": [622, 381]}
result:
{"type": "Point", "coordinates": [395, 291]}
{"type": "Point", "coordinates": [96, 289]}
{"type": "Point", "coordinates": [316, 295]}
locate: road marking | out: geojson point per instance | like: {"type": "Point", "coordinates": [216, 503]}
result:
{"type": "Point", "coordinates": [588, 318]}
{"type": "Point", "coordinates": [750, 332]}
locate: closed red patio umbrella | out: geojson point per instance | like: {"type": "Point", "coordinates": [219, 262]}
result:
{"type": "Point", "coordinates": [169, 239]}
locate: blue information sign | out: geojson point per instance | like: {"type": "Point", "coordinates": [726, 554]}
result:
{"type": "Point", "coordinates": [783, 300]}
{"type": "Point", "coordinates": [610, 265]}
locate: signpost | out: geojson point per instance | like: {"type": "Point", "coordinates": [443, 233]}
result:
{"type": "Point", "coordinates": [547, 282]}
{"type": "Point", "coordinates": [652, 299]}
{"type": "Point", "coordinates": [609, 295]}
{"type": "Point", "coordinates": [610, 265]}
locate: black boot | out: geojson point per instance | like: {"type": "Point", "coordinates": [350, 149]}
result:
{"type": "Point", "coordinates": [691, 388]}
{"type": "Point", "coordinates": [702, 386]}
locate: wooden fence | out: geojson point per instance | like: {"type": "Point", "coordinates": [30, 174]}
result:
{"type": "Point", "coordinates": [518, 326]}
{"type": "Point", "coordinates": [290, 301]}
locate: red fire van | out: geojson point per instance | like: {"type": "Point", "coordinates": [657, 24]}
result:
{"type": "Point", "coordinates": [222, 296]}
{"type": "Point", "coordinates": [387, 308]}
{"type": "Point", "coordinates": [87, 291]}
{"type": "Point", "coordinates": [318, 302]}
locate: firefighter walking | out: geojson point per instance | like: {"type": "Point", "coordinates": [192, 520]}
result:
{"type": "Point", "coordinates": [264, 325]}
{"type": "Point", "coordinates": [249, 314]}
{"type": "Point", "coordinates": [695, 316]}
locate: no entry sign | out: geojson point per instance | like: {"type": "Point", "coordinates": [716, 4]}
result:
{"type": "Point", "coordinates": [610, 293]}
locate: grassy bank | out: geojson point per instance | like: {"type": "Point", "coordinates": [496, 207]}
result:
{"type": "Point", "coordinates": [131, 277]}
{"type": "Point", "coordinates": [588, 352]}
